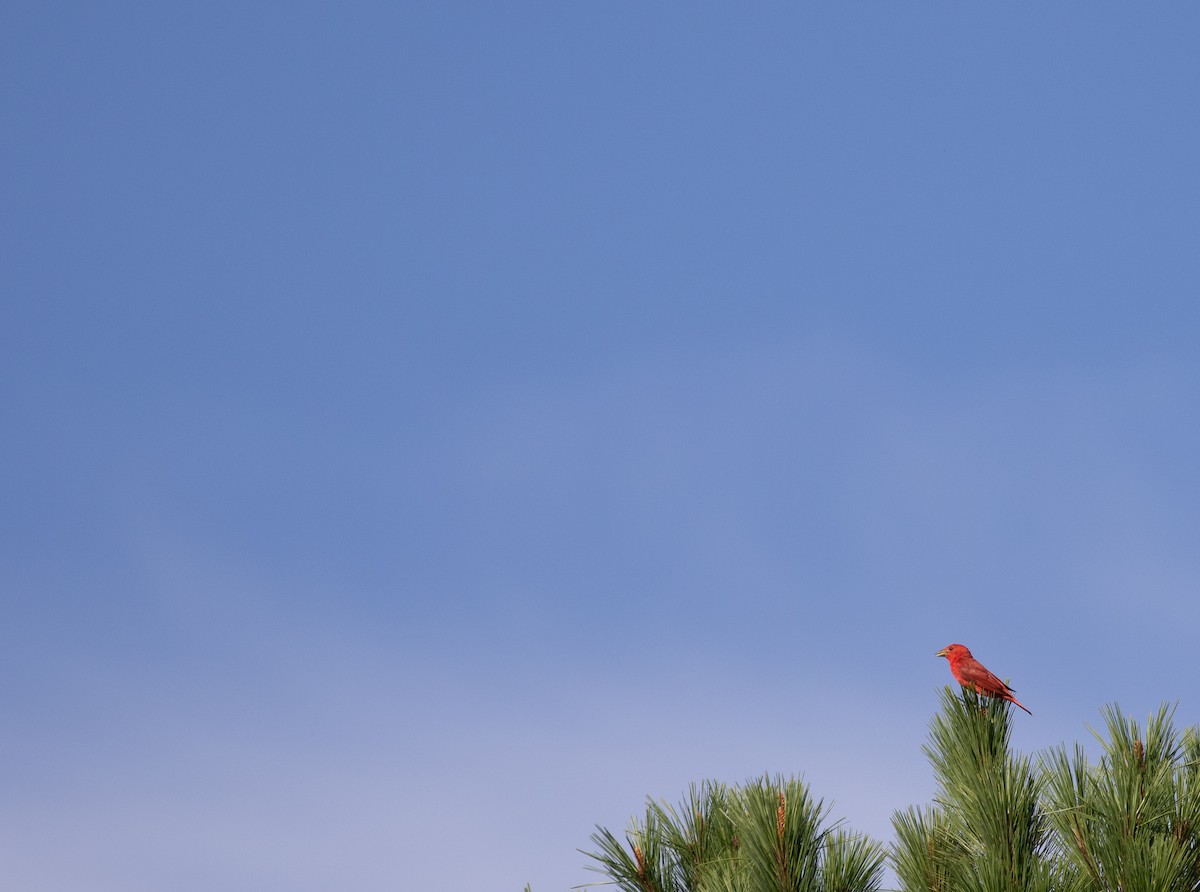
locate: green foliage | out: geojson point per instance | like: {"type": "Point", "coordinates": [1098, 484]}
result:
{"type": "Point", "coordinates": [1131, 821]}
{"type": "Point", "coordinates": [986, 831]}
{"type": "Point", "coordinates": [768, 836]}
{"type": "Point", "coordinates": [1000, 822]}
{"type": "Point", "coordinates": [924, 850]}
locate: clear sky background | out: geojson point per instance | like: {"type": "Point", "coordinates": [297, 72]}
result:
{"type": "Point", "coordinates": [431, 428]}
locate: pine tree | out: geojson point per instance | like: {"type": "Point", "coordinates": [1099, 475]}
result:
{"type": "Point", "coordinates": [1131, 821]}
{"type": "Point", "coordinates": [768, 836]}
{"type": "Point", "coordinates": [1000, 822]}
{"type": "Point", "coordinates": [986, 831]}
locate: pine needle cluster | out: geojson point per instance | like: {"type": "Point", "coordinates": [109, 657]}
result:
{"type": "Point", "coordinates": [986, 831]}
{"type": "Point", "coordinates": [769, 835]}
{"type": "Point", "coordinates": [1127, 821]}
{"type": "Point", "coordinates": [1130, 822]}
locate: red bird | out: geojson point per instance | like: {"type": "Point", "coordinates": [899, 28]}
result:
{"type": "Point", "coordinates": [970, 673]}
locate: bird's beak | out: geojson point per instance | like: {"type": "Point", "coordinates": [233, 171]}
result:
{"type": "Point", "coordinates": [941, 653]}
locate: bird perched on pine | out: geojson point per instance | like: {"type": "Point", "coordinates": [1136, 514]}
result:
{"type": "Point", "coordinates": [970, 673]}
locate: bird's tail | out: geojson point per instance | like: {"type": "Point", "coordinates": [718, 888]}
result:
{"type": "Point", "coordinates": [1011, 699]}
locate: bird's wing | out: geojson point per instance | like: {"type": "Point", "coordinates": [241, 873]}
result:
{"type": "Point", "coordinates": [973, 672]}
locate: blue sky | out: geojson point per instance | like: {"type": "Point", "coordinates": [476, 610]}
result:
{"type": "Point", "coordinates": [431, 428]}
